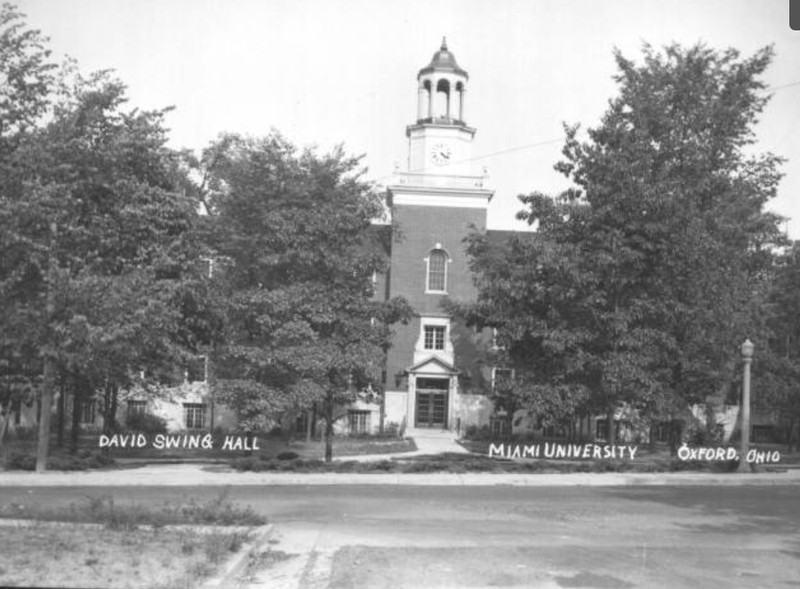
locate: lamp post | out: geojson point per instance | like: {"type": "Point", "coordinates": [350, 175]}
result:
{"type": "Point", "coordinates": [747, 356]}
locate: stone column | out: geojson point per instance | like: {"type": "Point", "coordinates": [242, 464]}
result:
{"type": "Point", "coordinates": [421, 101]}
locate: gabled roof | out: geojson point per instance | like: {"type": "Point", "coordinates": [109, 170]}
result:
{"type": "Point", "coordinates": [443, 367]}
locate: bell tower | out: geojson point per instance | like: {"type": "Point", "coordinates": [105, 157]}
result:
{"type": "Point", "coordinates": [434, 205]}
{"type": "Point", "coordinates": [440, 141]}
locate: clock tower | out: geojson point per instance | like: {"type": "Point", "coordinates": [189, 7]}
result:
{"type": "Point", "coordinates": [440, 140]}
{"type": "Point", "coordinates": [434, 205]}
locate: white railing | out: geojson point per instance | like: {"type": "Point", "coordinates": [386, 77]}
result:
{"type": "Point", "coordinates": [439, 180]}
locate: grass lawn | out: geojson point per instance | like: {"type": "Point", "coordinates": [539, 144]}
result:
{"type": "Point", "coordinates": [20, 454]}
{"type": "Point", "coordinates": [81, 555]}
{"type": "Point", "coordinates": [272, 447]}
{"type": "Point", "coordinates": [100, 544]}
{"type": "Point", "coordinates": [656, 458]}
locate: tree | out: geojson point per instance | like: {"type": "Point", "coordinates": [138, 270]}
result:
{"type": "Point", "coordinates": [301, 325]}
{"type": "Point", "coordinates": [778, 365]}
{"type": "Point", "coordinates": [644, 278]}
{"type": "Point", "coordinates": [26, 81]}
{"type": "Point", "coordinates": [97, 232]}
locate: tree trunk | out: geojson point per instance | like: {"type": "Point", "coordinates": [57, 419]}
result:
{"type": "Point", "coordinates": [78, 395]}
{"type": "Point", "coordinates": [329, 430]}
{"type": "Point", "coordinates": [75, 426]}
{"type": "Point", "coordinates": [62, 407]}
{"type": "Point", "coordinates": [6, 411]}
{"type": "Point", "coordinates": [793, 437]}
{"type": "Point", "coordinates": [109, 408]}
{"type": "Point", "coordinates": [309, 425]}
{"type": "Point", "coordinates": [46, 404]}
{"type": "Point", "coordinates": [610, 433]}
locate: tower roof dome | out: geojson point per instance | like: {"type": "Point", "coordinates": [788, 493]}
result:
{"type": "Point", "coordinates": [443, 61]}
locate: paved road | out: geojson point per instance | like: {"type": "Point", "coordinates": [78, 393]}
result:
{"type": "Point", "coordinates": [545, 537]}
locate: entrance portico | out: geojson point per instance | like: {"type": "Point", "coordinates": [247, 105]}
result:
{"type": "Point", "coordinates": [432, 386]}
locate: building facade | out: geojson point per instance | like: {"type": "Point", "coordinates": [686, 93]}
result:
{"type": "Point", "coordinates": [432, 380]}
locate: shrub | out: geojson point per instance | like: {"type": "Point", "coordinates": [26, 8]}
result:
{"type": "Point", "coordinates": [83, 460]}
{"type": "Point", "coordinates": [18, 461]}
{"type": "Point", "coordinates": [146, 423]}
{"type": "Point", "coordinates": [287, 456]}
{"type": "Point", "coordinates": [28, 433]}
{"type": "Point", "coordinates": [478, 433]}
{"type": "Point", "coordinates": [391, 430]}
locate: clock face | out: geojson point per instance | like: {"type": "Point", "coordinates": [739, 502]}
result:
{"type": "Point", "coordinates": [441, 154]}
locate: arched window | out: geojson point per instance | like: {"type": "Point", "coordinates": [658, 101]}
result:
{"type": "Point", "coordinates": [437, 271]}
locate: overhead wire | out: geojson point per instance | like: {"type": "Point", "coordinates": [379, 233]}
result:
{"type": "Point", "coordinates": [539, 143]}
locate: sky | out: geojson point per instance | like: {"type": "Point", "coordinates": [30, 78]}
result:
{"type": "Point", "coordinates": [328, 72]}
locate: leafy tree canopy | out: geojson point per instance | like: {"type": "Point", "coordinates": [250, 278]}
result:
{"type": "Point", "coordinates": [293, 232]}
{"type": "Point", "coordinates": [643, 279]}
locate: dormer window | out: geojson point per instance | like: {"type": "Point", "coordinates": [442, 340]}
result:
{"type": "Point", "coordinates": [437, 271]}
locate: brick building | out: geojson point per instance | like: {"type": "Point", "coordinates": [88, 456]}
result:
{"type": "Point", "coordinates": [433, 376]}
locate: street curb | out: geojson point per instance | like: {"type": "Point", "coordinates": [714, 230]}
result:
{"type": "Point", "coordinates": [194, 475]}
{"type": "Point", "coordinates": [234, 571]}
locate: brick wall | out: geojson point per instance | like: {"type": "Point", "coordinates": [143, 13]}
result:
{"type": "Point", "coordinates": [416, 231]}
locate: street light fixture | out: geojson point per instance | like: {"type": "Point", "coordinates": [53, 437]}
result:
{"type": "Point", "coordinates": [747, 356]}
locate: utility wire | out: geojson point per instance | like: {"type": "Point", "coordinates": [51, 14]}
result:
{"type": "Point", "coordinates": [539, 143]}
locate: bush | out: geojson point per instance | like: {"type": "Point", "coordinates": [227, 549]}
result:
{"type": "Point", "coordinates": [391, 430]}
{"type": "Point", "coordinates": [478, 433]}
{"type": "Point", "coordinates": [287, 456]}
{"type": "Point", "coordinates": [28, 433]}
{"type": "Point", "coordinates": [146, 423]}
{"type": "Point", "coordinates": [83, 460]}
{"type": "Point", "coordinates": [18, 461]}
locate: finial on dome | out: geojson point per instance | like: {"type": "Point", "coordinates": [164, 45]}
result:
{"type": "Point", "coordinates": [444, 43]}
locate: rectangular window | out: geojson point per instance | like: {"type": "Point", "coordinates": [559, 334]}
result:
{"type": "Point", "coordinates": [763, 434]}
{"type": "Point", "coordinates": [137, 407]}
{"type": "Point", "coordinates": [434, 337]}
{"type": "Point", "coordinates": [501, 378]}
{"type": "Point", "coordinates": [358, 421]}
{"type": "Point", "coordinates": [196, 369]}
{"type": "Point", "coordinates": [500, 426]}
{"type": "Point", "coordinates": [16, 410]}
{"type": "Point", "coordinates": [601, 429]}
{"type": "Point", "coordinates": [301, 423]}
{"type": "Point", "coordinates": [88, 410]}
{"type": "Point", "coordinates": [194, 415]}
{"type": "Point", "coordinates": [206, 266]}
{"type": "Point", "coordinates": [554, 431]}
{"type": "Point", "coordinates": [661, 431]}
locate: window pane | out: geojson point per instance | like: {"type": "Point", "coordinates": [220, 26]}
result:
{"type": "Point", "coordinates": [196, 369]}
{"type": "Point", "coordinates": [359, 422]}
{"type": "Point", "coordinates": [136, 407]}
{"type": "Point", "coordinates": [434, 337]}
{"type": "Point", "coordinates": [194, 415]}
{"type": "Point", "coordinates": [87, 410]}
{"type": "Point", "coordinates": [437, 270]}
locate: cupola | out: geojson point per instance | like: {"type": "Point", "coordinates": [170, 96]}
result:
{"type": "Point", "coordinates": [442, 87]}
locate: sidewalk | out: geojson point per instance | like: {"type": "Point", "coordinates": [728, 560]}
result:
{"type": "Point", "coordinates": [223, 476]}
{"type": "Point", "coordinates": [427, 442]}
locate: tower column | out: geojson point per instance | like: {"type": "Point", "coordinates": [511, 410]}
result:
{"type": "Point", "coordinates": [462, 95]}
{"type": "Point", "coordinates": [421, 102]}
{"type": "Point", "coordinates": [448, 98]}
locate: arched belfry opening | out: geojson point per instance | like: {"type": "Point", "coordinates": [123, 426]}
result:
{"type": "Point", "coordinates": [441, 103]}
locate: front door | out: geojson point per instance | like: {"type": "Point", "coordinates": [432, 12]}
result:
{"type": "Point", "coordinates": [432, 402]}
